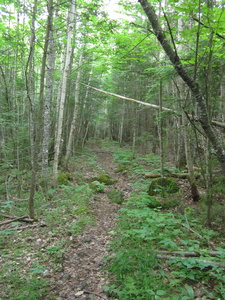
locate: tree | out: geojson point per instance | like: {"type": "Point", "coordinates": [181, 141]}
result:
{"type": "Point", "coordinates": [75, 111]}
{"type": "Point", "coordinates": [40, 112]}
{"type": "Point", "coordinates": [63, 87]}
{"type": "Point", "coordinates": [192, 83]}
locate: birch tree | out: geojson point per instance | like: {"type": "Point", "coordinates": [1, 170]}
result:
{"type": "Point", "coordinates": [39, 120]}
{"type": "Point", "coordinates": [75, 111]}
{"type": "Point", "coordinates": [48, 96]}
{"type": "Point", "coordinates": [68, 55]}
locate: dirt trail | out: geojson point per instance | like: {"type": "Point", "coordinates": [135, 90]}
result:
{"type": "Point", "coordinates": [82, 276]}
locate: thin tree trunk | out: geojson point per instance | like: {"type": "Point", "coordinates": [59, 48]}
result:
{"type": "Point", "coordinates": [192, 84]}
{"type": "Point", "coordinates": [121, 126]}
{"type": "Point", "coordinates": [75, 111]}
{"type": "Point", "coordinates": [194, 188]}
{"type": "Point", "coordinates": [40, 118]}
{"type": "Point", "coordinates": [160, 132]}
{"type": "Point", "coordinates": [48, 96]}
{"type": "Point", "coordinates": [68, 54]}
{"type": "Point", "coordinates": [30, 94]}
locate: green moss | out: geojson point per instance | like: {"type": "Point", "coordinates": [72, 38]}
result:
{"type": "Point", "coordinates": [63, 178]}
{"type": "Point", "coordinates": [165, 185]}
{"type": "Point", "coordinates": [116, 196]}
{"type": "Point", "coordinates": [121, 168]}
{"type": "Point", "coordinates": [106, 179]}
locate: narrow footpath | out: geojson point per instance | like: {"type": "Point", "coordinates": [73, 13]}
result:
{"type": "Point", "coordinates": [82, 276]}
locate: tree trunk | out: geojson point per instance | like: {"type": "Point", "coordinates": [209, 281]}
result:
{"type": "Point", "coordinates": [75, 111]}
{"type": "Point", "coordinates": [68, 54]}
{"type": "Point", "coordinates": [121, 125]}
{"type": "Point", "coordinates": [48, 96]}
{"type": "Point", "coordinates": [30, 94]}
{"type": "Point", "coordinates": [194, 189]}
{"type": "Point", "coordinates": [160, 132]}
{"type": "Point", "coordinates": [192, 84]}
{"type": "Point", "coordinates": [40, 118]}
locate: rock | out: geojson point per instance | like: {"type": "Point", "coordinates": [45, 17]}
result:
{"type": "Point", "coordinates": [162, 185]}
{"type": "Point", "coordinates": [106, 179]}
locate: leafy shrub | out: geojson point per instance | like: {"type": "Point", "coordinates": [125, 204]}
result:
{"type": "Point", "coordinates": [97, 186]}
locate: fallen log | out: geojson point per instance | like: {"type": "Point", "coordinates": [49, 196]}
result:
{"type": "Point", "coordinates": [175, 175]}
{"type": "Point", "coordinates": [12, 220]}
{"type": "Point", "coordinates": [29, 226]}
{"type": "Point", "coordinates": [27, 220]}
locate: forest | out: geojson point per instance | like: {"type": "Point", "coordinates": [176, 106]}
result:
{"type": "Point", "coordinates": [112, 150]}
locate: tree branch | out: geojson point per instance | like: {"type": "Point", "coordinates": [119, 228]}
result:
{"type": "Point", "coordinates": [205, 26]}
{"type": "Point", "coordinates": [215, 123]}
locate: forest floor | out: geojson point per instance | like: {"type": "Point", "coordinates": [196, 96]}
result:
{"type": "Point", "coordinates": [67, 256]}
{"type": "Point", "coordinates": [63, 255]}
{"type": "Point", "coordinates": [82, 276]}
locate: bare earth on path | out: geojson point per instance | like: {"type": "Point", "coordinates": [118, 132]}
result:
{"type": "Point", "coordinates": [82, 276]}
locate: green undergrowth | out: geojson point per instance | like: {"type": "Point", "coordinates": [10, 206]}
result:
{"type": "Point", "coordinates": [141, 270]}
{"type": "Point", "coordinates": [30, 257]}
{"type": "Point", "coordinates": [129, 161]}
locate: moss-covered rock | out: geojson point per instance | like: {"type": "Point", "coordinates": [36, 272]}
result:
{"type": "Point", "coordinates": [106, 179]}
{"type": "Point", "coordinates": [162, 185]}
{"type": "Point", "coordinates": [63, 178]}
{"type": "Point", "coordinates": [116, 196]}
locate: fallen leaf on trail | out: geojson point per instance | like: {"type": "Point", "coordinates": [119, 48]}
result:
{"type": "Point", "coordinates": [79, 293]}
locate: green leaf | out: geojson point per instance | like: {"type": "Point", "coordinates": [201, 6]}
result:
{"type": "Point", "coordinates": [160, 293]}
{"type": "Point", "coordinates": [190, 291]}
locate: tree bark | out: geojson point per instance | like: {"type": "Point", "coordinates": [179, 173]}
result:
{"type": "Point", "coordinates": [192, 84]}
{"type": "Point", "coordinates": [194, 189]}
{"type": "Point", "coordinates": [68, 54]}
{"type": "Point", "coordinates": [75, 111]}
{"type": "Point", "coordinates": [48, 96]}
{"type": "Point", "coordinates": [40, 117]}
{"type": "Point", "coordinates": [160, 131]}
{"type": "Point", "coordinates": [30, 94]}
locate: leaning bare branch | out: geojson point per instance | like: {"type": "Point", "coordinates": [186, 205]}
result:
{"type": "Point", "coordinates": [129, 99]}
{"type": "Point", "coordinates": [214, 123]}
